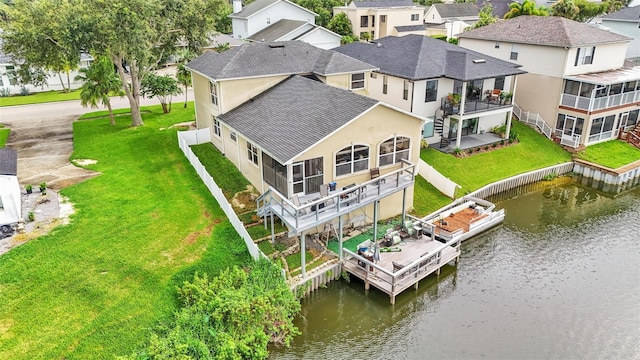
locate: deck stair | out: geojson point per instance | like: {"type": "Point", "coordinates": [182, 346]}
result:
{"type": "Point", "coordinates": [439, 128]}
{"type": "Point", "coordinates": [633, 136]}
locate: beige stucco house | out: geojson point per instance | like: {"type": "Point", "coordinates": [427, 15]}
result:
{"type": "Point", "coordinates": [577, 78]}
{"type": "Point", "coordinates": [292, 119]}
{"type": "Point", "coordinates": [381, 18]}
{"type": "Point", "coordinates": [420, 74]}
{"type": "Point", "coordinates": [450, 19]}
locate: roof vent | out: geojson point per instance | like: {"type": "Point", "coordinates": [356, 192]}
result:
{"type": "Point", "coordinates": [276, 46]}
{"type": "Point", "coordinates": [479, 61]}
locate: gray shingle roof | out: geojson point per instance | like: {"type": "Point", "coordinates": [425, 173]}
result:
{"type": "Point", "coordinates": [631, 14]}
{"type": "Point", "coordinates": [417, 57]}
{"type": "Point", "coordinates": [8, 161]}
{"type": "Point", "coordinates": [277, 30]}
{"type": "Point", "coordinates": [286, 57]}
{"type": "Point", "coordinates": [383, 3]}
{"type": "Point", "coordinates": [257, 6]}
{"type": "Point", "coordinates": [544, 30]}
{"type": "Point", "coordinates": [500, 7]}
{"type": "Point", "coordinates": [406, 28]}
{"type": "Point", "coordinates": [292, 116]}
{"type": "Point", "coordinates": [456, 10]}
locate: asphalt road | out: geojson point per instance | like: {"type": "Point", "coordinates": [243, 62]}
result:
{"type": "Point", "coordinates": [43, 136]}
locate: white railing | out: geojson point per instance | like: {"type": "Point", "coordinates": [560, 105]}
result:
{"type": "Point", "coordinates": [534, 119]}
{"type": "Point", "coordinates": [194, 137]}
{"type": "Point", "coordinates": [599, 103]}
{"type": "Point", "coordinates": [435, 178]}
{"type": "Point", "coordinates": [570, 140]}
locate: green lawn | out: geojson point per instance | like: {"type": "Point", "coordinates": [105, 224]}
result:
{"type": "Point", "coordinates": [533, 152]}
{"type": "Point", "coordinates": [39, 97]}
{"type": "Point", "coordinates": [230, 180]}
{"type": "Point", "coordinates": [612, 154]}
{"type": "Point", "coordinates": [426, 198]}
{"type": "Point", "coordinates": [4, 135]}
{"type": "Point", "coordinates": [97, 287]}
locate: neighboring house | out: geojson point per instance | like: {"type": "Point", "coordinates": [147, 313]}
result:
{"type": "Point", "coordinates": [577, 77]}
{"type": "Point", "coordinates": [626, 21]}
{"type": "Point", "coordinates": [500, 7]}
{"type": "Point", "coordinates": [285, 30]}
{"type": "Point", "coordinates": [288, 115]}
{"type": "Point", "coordinates": [10, 198]}
{"type": "Point", "coordinates": [9, 79]}
{"type": "Point", "coordinates": [418, 74]}
{"type": "Point", "coordinates": [382, 18]}
{"type": "Point", "coordinates": [450, 19]}
{"type": "Point", "coordinates": [280, 20]}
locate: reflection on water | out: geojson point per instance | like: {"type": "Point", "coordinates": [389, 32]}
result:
{"type": "Point", "coordinates": [559, 279]}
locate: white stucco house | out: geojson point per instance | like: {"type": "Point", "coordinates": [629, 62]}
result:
{"type": "Point", "coordinates": [577, 77]}
{"type": "Point", "coordinates": [456, 89]}
{"type": "Point", "coordinates": [382, 18]}
{"type": "Point", "coordinates": [450, 19]}
{"type": "Point", "coordinates": [279, 20]}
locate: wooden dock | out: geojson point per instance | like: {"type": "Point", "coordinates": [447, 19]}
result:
{"type": "Point", "coordinates": [417, 259]}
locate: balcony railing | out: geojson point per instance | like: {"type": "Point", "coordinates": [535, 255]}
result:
{"type": "Point", "coordinates": [599, 103]}
{"type": "Point", "coordinates": [472, 106]}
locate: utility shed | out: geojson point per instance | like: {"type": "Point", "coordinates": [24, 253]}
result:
{"type": "Point", "coordinates": [10, 201]}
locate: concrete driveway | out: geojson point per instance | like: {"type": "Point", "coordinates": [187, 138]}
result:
{"type": "Point", "coordinates": [43, 136]}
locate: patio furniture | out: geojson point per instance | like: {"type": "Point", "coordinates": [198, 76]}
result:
{"type": "Point", "coordinates": [296, 201]}
{"type": "Point", "coordinates": [495, 95]}
{"type": "Point", "coordinates": [375, 173]}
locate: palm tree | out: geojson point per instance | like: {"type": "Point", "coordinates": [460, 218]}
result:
{"type": "Point", "coordinates": [184, 78]}
{"type": "Point", "coordinates": [528, 7]}
{"type": "Point", "coordinates": [99, 81]}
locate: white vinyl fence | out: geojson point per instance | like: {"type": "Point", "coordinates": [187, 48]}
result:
{"type": "Point", "coordinates": [195, 137]}
{"type": "Point", "coordinates": [436, 179]}
{"type": "Point", "coordinates": [533, 119]}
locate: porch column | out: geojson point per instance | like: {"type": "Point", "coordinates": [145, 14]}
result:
{"type": "Point", "coordinates": [463, 98]}
{"type": "Point", "coordinates": [404, 203]}
{"type": "Point", "coordinates": [273, 234]}
{"type": "Point", "coordinates": [375, 220]}
{"type": "Point", "coordinates": [513, 100]}
{"type": "Point", "coordinates": [340, 237]}
{"type": "Point", "coordinates": [303, 261]}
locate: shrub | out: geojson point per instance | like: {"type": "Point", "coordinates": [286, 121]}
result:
{"type": "Point", "coordinates": [502, 142]}
{"type": "Point", "coordinates": [457, 151]}
{"type": "Point", "coordinates": [233, 316]}
{"type": "Point", "coordinates": [486, 147]}
{"type": "Point", "coordinates": [470, 151]}
{"type": "Point", "coordinates": [24, 91]}
{"type": "Point", "coordinates": [31, 216]}
{"type": "Point", "coordinates": [4, 92]}
{"type": "Point", "coordinates": [494, 145]}
{"type": "Point", "coordinates": [478, 149]}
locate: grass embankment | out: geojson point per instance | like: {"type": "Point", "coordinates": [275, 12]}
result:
{"type": "Point", "coordinates": [98, 286]}
{"type": "Point", "coordinates": [4, 135]}
{"type": "Point", "coordinates": [534, 151]}
{"type": "Point", "coordinates": [612, 154]}
{"type": "Point", "coordinates": [40, 97]}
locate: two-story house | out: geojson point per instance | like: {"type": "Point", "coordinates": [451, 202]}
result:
{"type": "Point", "coordinates": [380, 18]}
{"type": "Point", "coordinates": [291, 118]}
{"type": "Point", "coordinates": [450, 19]}
{"type": "Point", "coordinates": [577, 78]}
{"type": "Point", "coordinates": [626, 21]}
{"type": "Point", "coordinates": [279, 20]}
{"type": "Point", "coordinates": [456, 89]}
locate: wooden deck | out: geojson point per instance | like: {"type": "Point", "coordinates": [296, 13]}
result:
{"type": "Point", "coordinates": [419, 258]}
{"type": "Point", "coordinates": [460, 220]}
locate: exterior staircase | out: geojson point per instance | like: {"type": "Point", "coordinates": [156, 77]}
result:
{"type": "Point", "coordinates": [438, 126]}
{"type": "Point", "coordinates": [633, 136]}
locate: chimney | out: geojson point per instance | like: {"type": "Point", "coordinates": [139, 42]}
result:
{"type": "Point", "coordinates": [237, 6]}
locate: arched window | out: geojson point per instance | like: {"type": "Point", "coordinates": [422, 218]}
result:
{"type": "Point", "coordinates": [394, 149]}
{"type": "Point", "coordinates": [352, 159]}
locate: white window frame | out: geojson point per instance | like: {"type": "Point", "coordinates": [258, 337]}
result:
{"type": "Point", "coordinates": [385, 86]}
{"type": "Point", "coordinates": [394, 153]}
{"type": "Point", "coordinates": [252, 154]}
{"type": "Point", "coordinates": [233, 136]}
{"type": "Point", "coordinates": [514, 52]}
{"type": "Point", "coordinates": [217, 129]}
{"type": "Point", "coordinates": [415, 17]}
{"type": "Point", "coordinates": [427, 89]}
{"type": "Point", "coordinates": [405, 90]}
{"type": "Point", "coordinates": [350, 153]}
{"type": "Point", "coordinates": [357, 83]}
{"type": "Point", "coordinates": [584, 55]}
{"type": "Point", "coordinates": [213, 90]}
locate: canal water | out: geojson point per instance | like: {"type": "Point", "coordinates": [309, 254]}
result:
{"type": "Point", "coordinates": [560, 279]}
